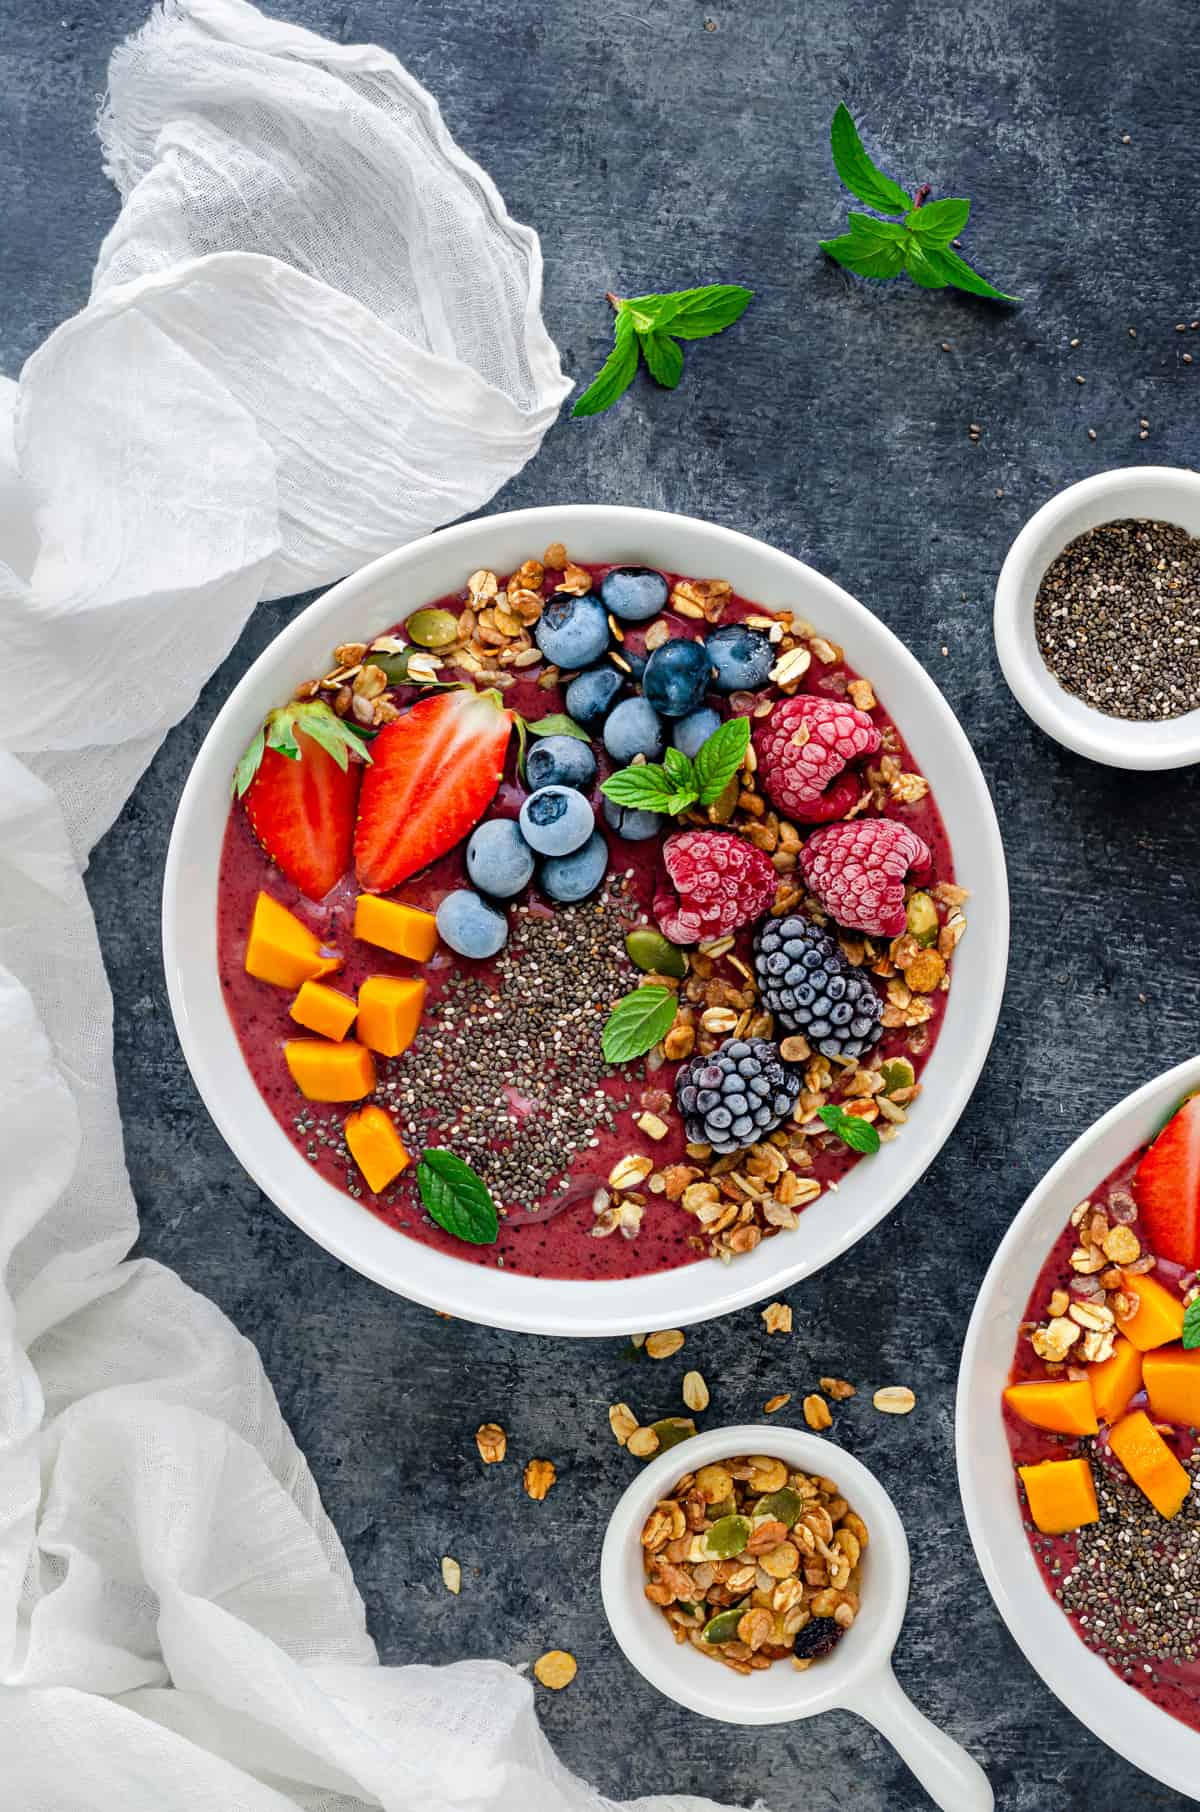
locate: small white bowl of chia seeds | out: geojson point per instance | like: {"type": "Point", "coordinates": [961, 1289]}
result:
{"type": "Point", "coordinates": [1097, 617]}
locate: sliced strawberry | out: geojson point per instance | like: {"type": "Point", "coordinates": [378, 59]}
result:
{"type": "Point", "coordinates": [299, 782]}
{"type": "Point", "coordinates": [433, 774]}
{"type": "Point", "coordinates": [1166, 1186]}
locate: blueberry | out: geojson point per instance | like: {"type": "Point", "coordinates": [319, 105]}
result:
{"type": "Point", "coordinates": [634, 593]}
{"type": "Point", "coordinates": [560, 761]}
{"type": "Point", "coordinates": [555, 820]}
{"type": "Point", "coordinates": [690, 733]}
{"type": "Point", "coordinates": [677, 677]}
{"type": "Point", "coordinates": [743, 658]}
{"type": "Point", "coordinates": [636, 664]}
{"type": "Point", "coordinates": [634, 728]}
{"type": "Point", "coordinates": [572, 632]}
{"type": "Point", "coordinates": [573, 877]}
{"type": "Point", "coordinates": [499, 860]}
{"type": "Point", "coordinates": [591, 696]}
{"type": "Point", "coordinates": [628, 822]}
{"type": "Point", "coordinates": [470, 925]}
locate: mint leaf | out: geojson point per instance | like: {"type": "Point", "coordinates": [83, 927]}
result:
{"type": "Point", "coordinates": [247, 767]}
{"type": "Point", "coordinates": [719, 758]}
{"type": "Point", "coordinates": [457, 1198]}
{"type": "Point", "coordinates": [664, 358]}
{"type": "Point", "coordinates": [678, 766]}
{"type": "Point", "coordinates": [558, 724]}
{"type": "Point", "coordinates": [919, 263]}
{"type": "Point", "coordinates": [867, 257]}
{"type": "Point", "coordinates": [637, 1022]}
{"type": "Point", "coordinates": [939, 221]}
{"type": "Point", "coordinates": [695, 314]}
{"type": "Point", "coordinates": [679, 802]}
{"type": "Point", "coordinates": [647, 788]}
{"type": "Point", "coordinates": [617, 372]}
{"type": "Point", "coordinates": [869, 226]}
{"type": "Point", "coordinates": [858, 1134]}
{"type": "Point", "coordinates": [1191, 1324]}
{"type": "Point", "coordinates": [862, 177]}
{"type": "Point", "coordinates": [957, 271]}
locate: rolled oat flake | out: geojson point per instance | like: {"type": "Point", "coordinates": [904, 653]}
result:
{"type": "Point", "coordinates": [1117, 619]}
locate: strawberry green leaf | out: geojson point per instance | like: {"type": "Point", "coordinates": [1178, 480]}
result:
{"type": "Point", "coordinates": [664, 358]}
{"type": "Point", "coordinates": [281, 734]}
{"type": "Point", "coordinates": [862, 177]}
{"type": "Point", "coordinates": [336, 735]}
{"type": "Point", "coordinates": [247, 767]}
{"type": "Point", "coordinates": [617, 372]}
{"type": "Point", "coordinates": [719, 757]}
{"type": "Point", "coordinates": [637, 1022]}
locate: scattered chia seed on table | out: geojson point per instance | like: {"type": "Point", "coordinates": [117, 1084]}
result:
{"type": "Point", "coordinates": [1117, 618]}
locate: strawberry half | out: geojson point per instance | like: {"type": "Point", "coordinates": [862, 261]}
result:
{"type": "Point", "coordinates": [299, 782]}
{"type": "Point", "coordinates": [433, 774]}
{"type": "Point", "coordinates": [1166, 1186]}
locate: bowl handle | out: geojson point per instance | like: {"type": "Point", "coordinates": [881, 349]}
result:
{"type": "Point", "coordinates": [952, 1778]}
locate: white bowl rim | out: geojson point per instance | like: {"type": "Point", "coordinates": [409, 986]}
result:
{"type": "Point", "coordinates": [1167, 1750]}
{"type": "Point", "coordinates": [588, 1308]}
{"type": "Point", "coordinates": [1113, 741]}
{"type": "Point", "coordinates": [702, 1686]}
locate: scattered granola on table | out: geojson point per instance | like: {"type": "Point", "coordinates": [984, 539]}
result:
{"type": "Point", "coordinates": [753, 1562]}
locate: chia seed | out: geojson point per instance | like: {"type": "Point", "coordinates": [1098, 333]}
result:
{"type": "Point", "coordinates": [1117, 619]}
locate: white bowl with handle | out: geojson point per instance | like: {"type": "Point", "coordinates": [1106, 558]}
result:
{"type": "Point", "coordinates": [370, 602]}
{"type": "Point", "coordinates": [1140, 1731]}
{"type": "Point", "coordinates": [856, 1677]}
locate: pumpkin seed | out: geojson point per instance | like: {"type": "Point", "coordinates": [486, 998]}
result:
{"type": "Point", "coordinates": [922, 919]}
{"type": "Point", "coordinates": [673, 1429]}
{"type": "Point", "coordinates": [432, 628]}
{"type": "Point", "coordinates": [726, 1507]}
{"type": "Point", "coordinates": [723, 1627]}
{"type": "Point", "coordinates": [785, 1506]}
{"type": "Point", "coordinates": [727, 1537]}
{"type": "Point", "coordinates": [650, 951]}
{"type": "Point", "coordinates": [897, 1073]}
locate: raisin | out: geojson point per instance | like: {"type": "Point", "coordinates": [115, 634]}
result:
{"type": "Point", "coordinates": [817, 1639]}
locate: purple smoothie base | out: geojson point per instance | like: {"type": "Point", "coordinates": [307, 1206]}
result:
{"type": "Point", "coordinates": [553, 1237]}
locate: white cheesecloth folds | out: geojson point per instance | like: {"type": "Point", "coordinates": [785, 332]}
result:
{"type": "Point", "coordinates": [314, 333]}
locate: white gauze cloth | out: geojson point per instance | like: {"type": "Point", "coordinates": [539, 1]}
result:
{"type": "Point", "coordinates": [314, 332]}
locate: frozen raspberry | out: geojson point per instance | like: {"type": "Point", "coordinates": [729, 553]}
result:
{"type": "Point", "coordinates": [717, 881]}
{"type": "Point", "coordinates": [802, 748]}
{"type": "Point", "coordinates": [857, 872]}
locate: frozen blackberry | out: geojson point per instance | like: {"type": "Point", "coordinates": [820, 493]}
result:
{"type": "Point", "coordinates": [817, 1639]}
{"type": "Point", "coordinates": [806, 982]}
{"type": "Point", "coordinates": [735, 1097]}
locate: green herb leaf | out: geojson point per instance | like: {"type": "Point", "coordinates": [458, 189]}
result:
{"type": "Point", "coordinates": [679, 801]}
{"type": "Point", "coordinates": [957, 271]}
{"type": "Point", "coordinates": [869, 226]}
{"type": "Point", "coordinates": [1191, 1324]}
{"type": "Point", "coordinates": [637, 1022]}
{"type": "Point", "coordinates": [939, 221]}
{"type": "Point", "coordinates": [617, 372]}
{"type": "Point", "coordinates": [697, 314]}
{"type": "Point", "coordinates": [558, 724]}
{"type": "Point", "coordinates": [664, 358]}
{"type": "Point", "coordinates": [867, 257]}
{"type": "Point", "coordinates": [678, 766]}
{"type": "Point", "coordinates": [858, 1134]}
{"type": "Point", "coordinates": [719, 758]}
{"type": "Point", "coordinates": [919, 263]}
{"type": "Point", "coordinates": [457, 1198]}
{"type": "Point", "coordinates": [646, 788]}
{"type": "Point", "coordinates": [247, 767]}
{"type": "Point", "coordinates": [862, 177]}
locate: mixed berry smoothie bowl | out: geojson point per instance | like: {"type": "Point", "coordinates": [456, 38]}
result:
{"type": "Point", "coordinates": [586, 919]}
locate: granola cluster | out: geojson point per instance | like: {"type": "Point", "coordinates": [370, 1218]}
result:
{"type": "Point", "coordinates": [754, 1563]}
{"type": "Point", "coordinates": [1079, 1326]}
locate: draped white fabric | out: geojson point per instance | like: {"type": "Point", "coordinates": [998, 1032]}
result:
{"type": "Point", "coordinates": [314, 333]}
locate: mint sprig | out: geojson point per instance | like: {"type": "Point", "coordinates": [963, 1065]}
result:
{"type": "Point", "coordinates": [858, 1134]}
{"type": "Point", "coordinates": [652, 326]}
{"type": "Point", "coordinates": [1191, 1324]}
{"type": "Point", "coordinates": [675, 783]}
{"type": "Point", "coordinates": [919, 245]}
{"type": "Point", "coordinates": [457, 1198]}
{"type": "Point", "coordinates": [637, 1022]}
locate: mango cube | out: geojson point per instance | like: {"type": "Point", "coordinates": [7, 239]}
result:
{"type": "Point", "coordinates": [1061, 1495]}
{"type": "Point", "coordinates": [1115, 1380]}
{"type": "Point", "coordinates": [376, 1147]}
{"type": "Point", "coordinates": [389, 1012]}
{"type": "Point", "coordinates": [404, 930]}
{"type": "Point", "coordinates": [281, 950]}
{"type": "Point", "coordinates": [1061, 1405]}
{"type": "Point", "coordinates": [330, 1072]}
{"type": "Point", "coordinates": [1172, 1375]}
{"type": "Point", "coordinates": [1158, 1317]}
{"type": "Point", "coordinates": [1150, 1463]}
{"type": "Point", "coordinates": [322, 1009]}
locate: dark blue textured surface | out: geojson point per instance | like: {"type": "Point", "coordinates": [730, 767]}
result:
{"type": "Point", "coordinates": [653, 152]}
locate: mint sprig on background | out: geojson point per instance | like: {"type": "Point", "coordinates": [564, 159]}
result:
{"type": "Point", "coordinates": [919, 245]}
{"type": "Point", "coordinates": [858, 1134]}
{"type": "Point", "coordinates": [675, 783]}
{"type": "Point", "coordinates": [651, 327]}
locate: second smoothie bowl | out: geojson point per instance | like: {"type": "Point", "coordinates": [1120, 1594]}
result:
{"type": "Point", "coordinates": [585, 945]}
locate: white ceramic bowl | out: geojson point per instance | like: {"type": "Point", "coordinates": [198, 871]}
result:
{"type": "Point", "coordinates": [366, 604]}
{"type": "Point", "coordinates": [856, 1677]}
{"type": "Point", "coordinates": [1159, 493]}
{"type": "Point", "coordinates": [1144, 1735]}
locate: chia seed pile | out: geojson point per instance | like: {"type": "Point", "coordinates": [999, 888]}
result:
{"type": "Point", "coordinates": [1117, 619]}
{"type": "Point", "coordinates": [1135, 1583]}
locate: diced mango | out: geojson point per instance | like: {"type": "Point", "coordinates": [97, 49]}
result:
{"type": "Point", "coordinates": [1150, 1463]}
{"type": "Point", "coordinates": [1061, 1405]}
{"type": "Point", "coordinates": [1116, 1380]}
{"type": "Point", "coordinates": [330, 1072]}
{"type": "Point", "coordinates": [376, 1147]}
{"type": "Point", "coordinates": [1158, 1318]}
{"type": "Point", "coordinates": [281, 950]}
{"type": "Point", "coordinates": [1061, 1495]}
{"type": "Point", "coordinates": [405, 930]}
{"type": "Point", "coordinates": [389, 1012]}
{"type": "Point", "coordinates": [322, 1009]}
{"type": "Point", "coordinates": [1172, 1375]}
